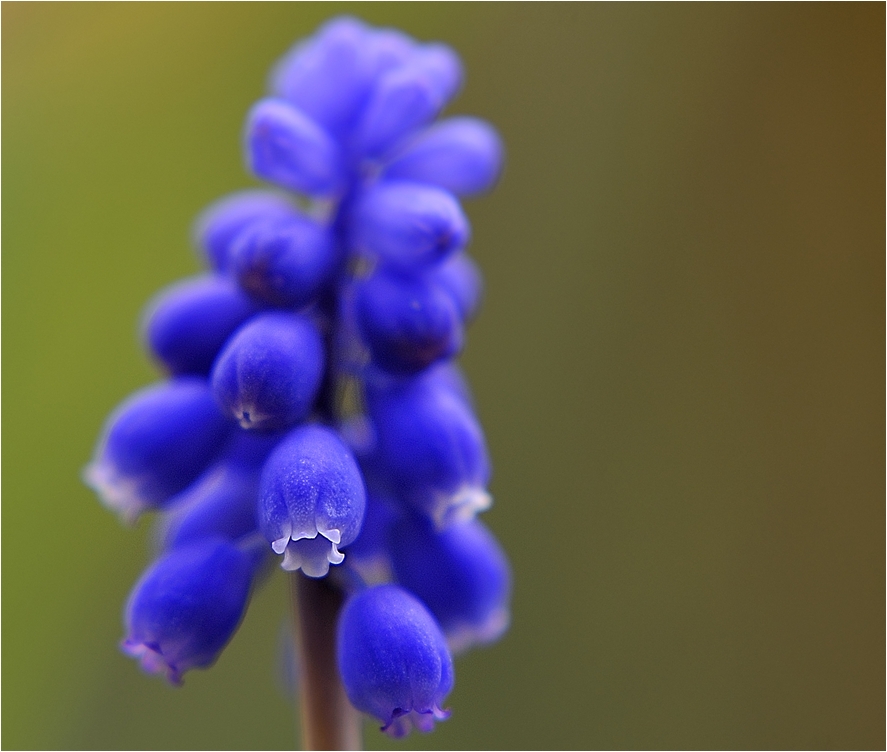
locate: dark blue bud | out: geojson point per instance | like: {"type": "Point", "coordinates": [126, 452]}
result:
{"type": "Point", "coordinates": [329, 76]}
{"type": "Point", "coordinates": [187, 606]}
{"type": "Point", "coordinates": [284, 263]}
{"type": "Point", "coordinates": [462, 278]}
{"type": "Point", "coordinates": [268, 374]}
{"type": "Point", "coordinates": [188, 323]}
{"type": "Point", "coordinates": [408, 225]}
{"type": "Point", "coordinates": [431, 448]}
{"type": "Point", "coordinates": [461, 574]}
{"type": "Point", "coordinates": [155, 444]}
{"type": "Point", "coordinates": [286, 147]}
{"type": "Point", "coordinates": [393, 659]}
{"type": "Point", "coordinates": [408, 322]}
{"type": "Point", "coordinates": [462, 155]}
{"type": "Point", "coordinates": [311, 499]}
{"type": "Point", "coordinates": [218, 226]}
{"type": "Point", "coordinates": [222, 503]}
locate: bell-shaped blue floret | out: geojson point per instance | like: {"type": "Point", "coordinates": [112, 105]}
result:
{"type": "Point", "coordinates": [431, 448]}
{"type": "Point", "coordinates": [268, 374]}
{"type": "Point", "coordinates": [286, 147]}
{"type": "Point", "coordinates": [155, 444]}
{"type": "Point", "coordinates": [219, 224]}
{"type": "Point", "coordinates": [311, 499]}
{"type": "Point", "coordinates": [188, 323]}
{"type": "Point", "coordinates": [462, 155]}
{"type": "Point", "coordinates": [284, 263]}
{"type": "Point", "coordinates": [393, 659]}
{"type": "Point", "coordinates": [408, 321]}
{"type": "Point", "coordinates": [461, 574]}
{"type": "Point", "coordinates": [408, 225]}
{"type": "Point", "coordinates": [187, 606]}
{"type": "Point", "coordinates": [462, 278]}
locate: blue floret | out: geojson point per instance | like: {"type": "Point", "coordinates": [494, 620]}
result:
{"type": "Point", "coordinates": [269, 372]}
{"type": "Point", "coordinates": [394, 661]}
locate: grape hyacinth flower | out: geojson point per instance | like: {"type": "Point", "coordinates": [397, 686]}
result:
{"type": "Point", "coordinates": [314, 413]}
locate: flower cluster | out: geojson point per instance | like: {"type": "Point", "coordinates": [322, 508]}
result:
{"type": "Point", "coordinates": [313, 409]}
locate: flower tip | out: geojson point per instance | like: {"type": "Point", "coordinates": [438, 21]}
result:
{"type": "Point", "coordinates": [151, 660]}
{"type": "Point", "coordinates": [114, 492]}
{"type": "Point", "coordinates": [404, 721]}
{"type": "Point", "coordinates": [313, 555]}
{"type": "Point", "coordinates": [462, 506]}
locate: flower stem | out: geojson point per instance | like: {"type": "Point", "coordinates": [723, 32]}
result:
{"type": "Point", "coordinates": [328, 719]}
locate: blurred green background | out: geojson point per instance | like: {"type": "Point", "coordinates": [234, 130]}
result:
{"type": "Point", "coordinates": [680, 365]}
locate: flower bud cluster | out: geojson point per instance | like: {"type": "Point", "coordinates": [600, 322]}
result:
{"type": "Point", "coordinates": [313, 409]}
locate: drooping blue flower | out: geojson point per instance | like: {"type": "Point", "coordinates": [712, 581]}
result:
{"type": "Point", "coordinates": [462, 155]}
{"type": "Point", "coordinates": [461, 574]}
{"type": "Point", "coordinates": [268, 374]}
{"type": "Point", "coordinates": [188, 323]}
{"type": "Point", "coordinates": [393, 659]}
{"type": "Point", "coordinates": [431, 447]}
{"type": "Point", "coordinates": [187, 606]}
{"type": "Point", "coordinates": [311, 499]}
{"type": "Point", "coordinates": [155, 444]}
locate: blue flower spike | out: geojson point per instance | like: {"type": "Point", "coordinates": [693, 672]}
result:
{"type": "Point", "coordinates": [394, 661]}
{"type": "Point", "coordinates": [314, 412]}
{"type": "Point", "coordinates": [187, 606]}
{"type": "Point", "coordinates": [311, 500]}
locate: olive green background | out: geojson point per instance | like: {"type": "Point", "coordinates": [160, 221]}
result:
{"type": "Point", "coordinates": [680, 365]}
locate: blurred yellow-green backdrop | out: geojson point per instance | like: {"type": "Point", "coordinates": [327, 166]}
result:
{"type": "Point", "coordinates": [680, 364]}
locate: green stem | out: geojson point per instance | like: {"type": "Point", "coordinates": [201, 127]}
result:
{"type": "Point", "coordinates": [328, 719]}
